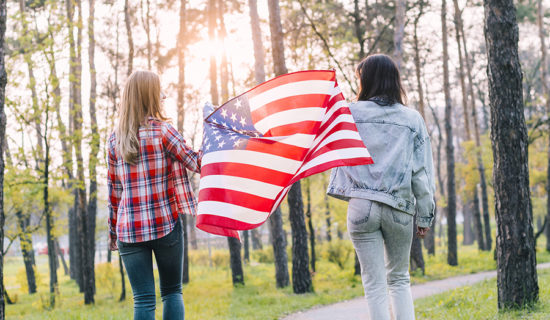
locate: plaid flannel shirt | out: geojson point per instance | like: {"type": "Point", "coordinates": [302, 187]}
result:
{"type": "Point", "coordinates": [145, 199]}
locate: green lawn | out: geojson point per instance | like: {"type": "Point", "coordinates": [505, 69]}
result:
{"type": "Point", "coordinates": [480, 302]}
{"type": "Point", "coordinates": [210, 294]}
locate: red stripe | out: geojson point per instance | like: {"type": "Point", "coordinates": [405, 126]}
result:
{"type": "Point", "coordinates": [335, 145]}
{"type": "Point", "coordinates": [206, 226]}
{"type": "Point", "coordinates": [305, 127]}
{"type": "Point", "coordinates": [247, 171]}
{"type": "Point", "coordinates": [328, 75]}
{"type": "Point", "coordinates": [336, 114]}
{"type": "Point", "coordinates": [225, 224]}
{"type": "Point", "coordinates": [331, 164]}
{"type": "Point", "coordinates": [276, 148]}
{"type": "Point", "coordinates": [289, 103]}
{"type": "Point", "coordinates": [237, 198]}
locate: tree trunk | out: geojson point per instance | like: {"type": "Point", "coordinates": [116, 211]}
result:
{"type": "Point", "coordinates": [487, 242]}
{"type": "Point", "coordinates": [259, 56]}
{"type": "Point", "coordinates": [546, 95]}
{"type": "Point", "coordinates": [122, 280]}
{"type": "Point", "coordinates": [301, 277]}
{"type": "Point", "coordinates": [246, 236]}
{"type": "Point", "coordinates": [3, 81]}
{"type": "Point", "coordinates": [236, 261]}
{"type": "Point", "coordinates": [516, 259]}
{"type": "Point", "coordinates": [452, 257]}
{"type": "Point", "coordinates": [256, 240]}
{"type": "Point", "coordinates": [279, 67]}
{"type": "Point", "coordinates": [310, 225]}
{"type": "Point", "coordinates": [211, 11]}
{"type": "Point", "coordinates": [25, 241]}
{"type": "Point", "coordinates": [279, 248]}
{"type": "Point", "coordinates": [399, 31]}
{"type": "Point", "coordinates": [358, 30]}
{"type": "Point", "coordinates": [417, 61]}
{"type": "Point", "coordinates": [467, 232]}
{"type": "Point", "coordinates": [192, 233]}
{"type": "Point", "coordinates": [327, 216]}
{"type": "Point", "coordinates": [127, 17]}
{"type": "Point", "coordinates": [277, 42]}
{"type": "Point", "coordinates": [477, 222]}
{"type": "Point", "coordinates": [429, 240]}
{"type": "Point", "coordinates": [62, 257]}
{"type": "Point", "coordinates": [49, 219]}
{"type": "Point", "coordinates": [92, 163]}
{"type": "Point", "coordinates": [224, 68]}
{"type": "Point", "coordinates": [181, 46]}
{"type": "Point", "coordinates": [417, 258]}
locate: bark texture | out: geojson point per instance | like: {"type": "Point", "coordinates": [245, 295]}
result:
{"type": "Point", "coordinates": [516, 260]}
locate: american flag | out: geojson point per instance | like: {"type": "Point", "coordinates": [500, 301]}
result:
{"type": "Point", "coordinates": [258, 144]}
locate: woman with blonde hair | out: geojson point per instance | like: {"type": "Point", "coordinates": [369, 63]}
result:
{"type": "Point", "coordinates": [146, 172]}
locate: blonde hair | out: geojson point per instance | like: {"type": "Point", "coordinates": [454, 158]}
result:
{"type": "Point", "coordinates": [140, 100]}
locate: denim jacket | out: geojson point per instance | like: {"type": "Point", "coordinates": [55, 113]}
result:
{"type": "Point", "coordinates": [399, 144]}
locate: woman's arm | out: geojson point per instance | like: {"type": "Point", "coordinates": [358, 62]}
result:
{"type": "Point", "coordinates": [115, 192]}
{"type": "Point", "coordinates": [423, 181]}
{"type": "Point", "coordinates": [177, 149]}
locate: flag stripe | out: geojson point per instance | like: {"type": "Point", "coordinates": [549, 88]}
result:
{"type": "Point", "coordinates": [290, 89]}
{"type": "Point", "coordinates": [289, 103]}
{"type": "Point", "coordinates": [238, 198]}
{"type": "Point", "coordinates": [247, 171]}
{"type": "Point", "coordinates": [235, 212]}
{"type": "Point", "coordinates": [305, 127]}
{"type": "Point", "coordinates": [258, 188]}
{"type": "Point", "coordinates": [289, 117]}
{"type": "Point", "coordinates": [268, 161]}
{"type": "Point", "coordinates": [292, 77]}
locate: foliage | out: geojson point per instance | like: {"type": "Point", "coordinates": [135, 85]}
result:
{"type": "Point", "coordinates": [264, 256]}
{"type": "Point", "coordinates": [338, 252]}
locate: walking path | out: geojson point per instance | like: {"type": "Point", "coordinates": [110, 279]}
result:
{"type": "Point", "coordinates": [357, 308]}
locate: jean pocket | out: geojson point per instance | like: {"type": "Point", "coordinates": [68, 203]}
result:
{"type": "Point", "coordinates": [358, 215]}
{"type": "Point", "coordinates": [173, 238]}
{"type": "Point", "coordinates": [401, 218]}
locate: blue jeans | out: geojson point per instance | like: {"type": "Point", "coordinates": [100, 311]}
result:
{"type": "Point", "coordinates": [382, 238]}
{"type": "Point", "coordinates": [138, 260]}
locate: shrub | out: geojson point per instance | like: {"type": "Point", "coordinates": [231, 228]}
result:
{"type": "Point", "coordinates": [337, 251]}
{"type": "Point", "coordinates": [21, 279]}
{"type": "Point", "coordinates": [220, 258]}
{"type": "Point", "coordinates": [106, 276]}
{"type": "Point", "coordinates": [264, 256]}
{"type": "Point", "coordinates": [199, 258]}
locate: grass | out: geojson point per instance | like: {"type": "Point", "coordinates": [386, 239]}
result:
{"type": "Point", "coordinates": [210, 294]}
{"type": "Point", "coordinates": [480, 302]}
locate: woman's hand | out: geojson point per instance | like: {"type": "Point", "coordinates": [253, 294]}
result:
{"type": "Point", "coordinates": [112, 244]}
{"type": "Point", "coordinates": [421, 232]}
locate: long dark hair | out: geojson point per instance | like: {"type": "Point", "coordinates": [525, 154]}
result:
{"type": "Point", "coordinates": [379, 78]}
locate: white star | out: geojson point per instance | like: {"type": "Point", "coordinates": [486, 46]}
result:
{"type": "Point", "coordinates": [237, 143]}
{"type": "Point", "coordinates": [224, 113]}
{"type": "Point", "coordinates": [215, 121]}
{"type": "Point", "coordinates": [221, 144]}
{"type": "Point", "coordinates": [218, 138]}
{"type": "Point", "coordinates": [233, 117]}
{"type": "Point", "coordinates": [256, 134]}
{"type": "Point", "coordinates": [238, 104]}
{"type": "Point", "coordinates": [208, 146]}
{"type": "Point", "coordinates": [224, 124]}
{"type": "Point", "coordinates": [233, 137]}
{"type": "Point", "coordinates": [243, 121]}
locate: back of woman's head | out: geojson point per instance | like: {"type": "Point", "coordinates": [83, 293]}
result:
{"type": "Point", "coordinates": [140, 100]}
{"type": "Point", "coordinates": [379, 77]}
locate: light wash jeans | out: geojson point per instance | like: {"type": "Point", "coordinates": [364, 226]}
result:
{"type": "Point", "coordinates": [382, 238]}
{"type": "Point", "coordinates": [138, 261]}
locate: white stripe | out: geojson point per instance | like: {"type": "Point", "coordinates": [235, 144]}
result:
{"type": "Point", "coordinates": [301, 140]}
{"type": "Point", "coordinates": [254, 187]}
{"type": "Point", "coordinates": [228, 210]}
{"type": "Point", "coordinates": [334, 92]}
{"type": "Point", "coordinates": [337, 106]}
{"type": "Point", "coordinates": [338, 135]}
{"type": "Point", "coordinates": [280, 198]}
{"type": "Point", "coordinates": [254, 158]}
{"type": "Point", "coordinates": [290, 89]}
{"type": "Point", "coordinates": [341, 118]}
{"type": "Point", "coordinates": [288, 117]}
{"type": "Point", "coordinates": [340, 154]}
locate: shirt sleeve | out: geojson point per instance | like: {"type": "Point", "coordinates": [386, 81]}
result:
{"type": "Point", "coordinates": [115, 192]}
{"type": "Point", "coordinates": [177, 149]}
{"type": "Point", "coordinates": [423, 181]}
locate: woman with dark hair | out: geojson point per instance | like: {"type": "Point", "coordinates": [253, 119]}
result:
{"type": "Point", "coordinates": [384, 196]}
